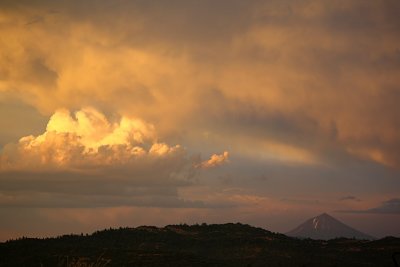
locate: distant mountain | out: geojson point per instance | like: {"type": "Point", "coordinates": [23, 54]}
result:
{"type": "Point", "coordinates": [326, 227]}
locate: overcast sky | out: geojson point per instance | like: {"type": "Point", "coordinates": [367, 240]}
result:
{"type": "Point", "coordinates": [124, 113]}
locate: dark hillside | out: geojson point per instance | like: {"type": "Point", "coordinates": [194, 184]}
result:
{"type": "Point", "coordinates": [196, 245]}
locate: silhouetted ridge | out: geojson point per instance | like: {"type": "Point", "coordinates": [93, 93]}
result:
{"type": "Point", "coordinates": [231, 244]}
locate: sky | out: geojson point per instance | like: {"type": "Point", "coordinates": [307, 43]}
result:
{"type": "Point", "coordinates": [128, 113]}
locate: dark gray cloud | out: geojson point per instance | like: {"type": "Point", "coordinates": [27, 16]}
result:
{"type": "Point", "coordinates": [17, 119]}
{"type": "Point", "coordinates": [83, 190]}
{"type": "Point", "coordinates": [57, 200]}
{"type": "Point", "coordinates": [391, 206]}
{"type": "Point", "coordinates": [302, 201]}
{"type": "Point", "coordinates": [78, 190]}
{"type": "Point", "coordinates": [349, 198]}
{"type": "Point", "coordinates": [184, 22]}
{"type": "Point", "coordinates": [239, 117]}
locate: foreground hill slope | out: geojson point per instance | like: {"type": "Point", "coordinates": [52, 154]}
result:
{"type": "Point", "coordinates": [326, 227]}
{"type": "Point", "coordinates": [196, 245]}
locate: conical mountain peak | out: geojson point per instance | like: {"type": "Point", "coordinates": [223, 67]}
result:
{"type": "Point", "coordinates": [326, 227]}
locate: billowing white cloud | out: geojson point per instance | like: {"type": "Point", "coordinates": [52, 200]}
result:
{"type": "Point", "coordinates": [86, 138]}
{"type": "Point", "coordinates": [84, 159]}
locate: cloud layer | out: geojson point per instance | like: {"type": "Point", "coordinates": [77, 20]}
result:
{"type": "Point", "coordinates": [310, 76]}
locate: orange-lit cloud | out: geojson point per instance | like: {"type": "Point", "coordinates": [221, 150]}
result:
{"type": "Point", "coordinates": [86, 138]}
{"type": "Point", "coordinates": [344, 96]}
{"type": "Point", "coordinates": [215, 160]}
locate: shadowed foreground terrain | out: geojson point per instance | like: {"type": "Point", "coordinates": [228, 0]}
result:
{"type": "Point", "coordinates": [196, 245]}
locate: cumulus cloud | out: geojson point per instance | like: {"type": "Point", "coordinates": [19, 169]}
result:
{"type": "Point", "coordinates": [86, 138]}
{"type": "Point", "coordinates": [84, 159]}
{"type": "Point", "coordinates": [215, 160]}
{"type": "Point", "coordinates": [86, 144]}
